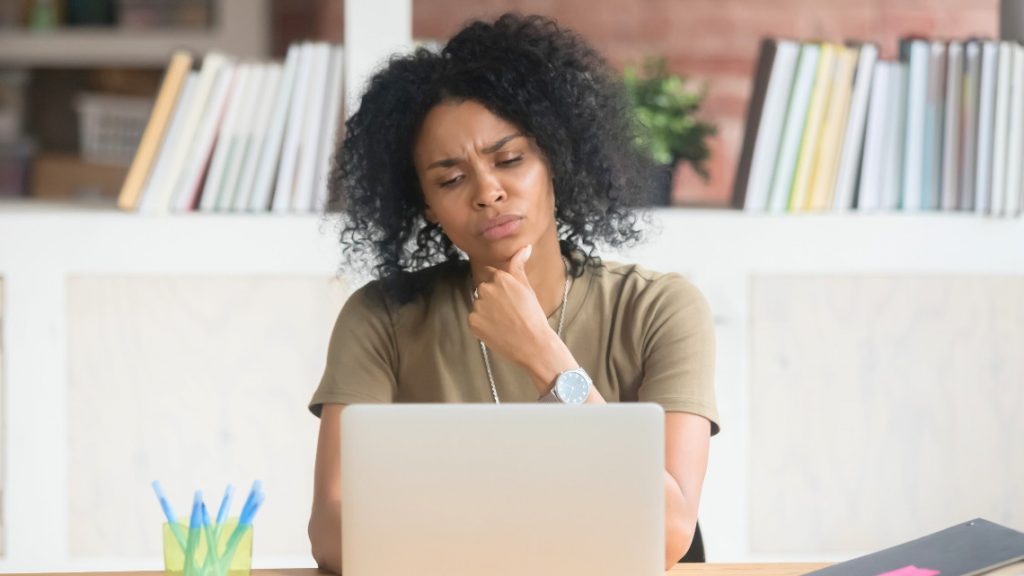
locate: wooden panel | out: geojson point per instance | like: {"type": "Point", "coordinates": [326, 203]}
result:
{"type": "Point", "coordinates": [883, 408]}
{"type": "Point", "coordinates": [197, 382]}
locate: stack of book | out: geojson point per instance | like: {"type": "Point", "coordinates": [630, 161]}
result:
{"type": "Point", "coordinates": [833, 127]}
{"type": "Point", "coordinates": [238, 136]}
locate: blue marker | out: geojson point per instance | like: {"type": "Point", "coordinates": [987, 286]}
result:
{"type": "Point", "coordinates": [225, 503]}
{"type": "Point", "coordinates": [244, 523]}
{"type": "Point", "coordinates": [171, 520]}
{"type": "Point", "coordinates": [193, 533]}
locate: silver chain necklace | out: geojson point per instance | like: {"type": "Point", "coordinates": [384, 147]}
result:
{"type": "Point", "coordinates": [561, 323]}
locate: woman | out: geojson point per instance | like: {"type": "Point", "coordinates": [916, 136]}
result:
{"type": "Point", "coordinates": [478, 181]}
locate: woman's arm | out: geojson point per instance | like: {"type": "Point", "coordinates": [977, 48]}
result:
{"type": "Point", "coordinates": [687, 438]}
{"type": "Point", "coordinates": [325, 519]}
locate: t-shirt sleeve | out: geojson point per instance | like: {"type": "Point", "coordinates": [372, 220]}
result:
{"type": "Point", "coordinates": [361, 356]}
{"type": "Point", "coordinates": [678, 348]}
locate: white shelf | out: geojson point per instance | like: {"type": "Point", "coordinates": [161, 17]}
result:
{"type": "Point", "coordinates": [241, 29]}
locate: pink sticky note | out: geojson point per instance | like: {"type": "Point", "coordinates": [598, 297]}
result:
{"type": "Point", "coordinates": [911, 571]}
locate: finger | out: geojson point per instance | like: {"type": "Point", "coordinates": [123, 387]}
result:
{"type": "Point", "coordinates": [517, 264]}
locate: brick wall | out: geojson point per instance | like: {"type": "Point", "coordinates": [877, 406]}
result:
{"type": "Point", "coordinates": [712, 42]}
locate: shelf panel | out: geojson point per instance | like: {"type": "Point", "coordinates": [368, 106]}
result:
{"type": "Point", "coordinates": [244, 32]}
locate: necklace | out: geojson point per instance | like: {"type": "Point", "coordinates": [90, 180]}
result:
{"type": "Point", "coordinates": [561, 324]}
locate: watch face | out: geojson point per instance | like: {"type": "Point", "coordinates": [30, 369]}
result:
{"type": "Point", "coordinates": [572, 387]}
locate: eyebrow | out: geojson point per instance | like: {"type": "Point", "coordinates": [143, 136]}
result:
{"type": "Point", "coordinates": [489, 149]}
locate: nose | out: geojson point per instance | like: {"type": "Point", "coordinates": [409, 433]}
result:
{"type": "Point", "coordinates": [489, 190]}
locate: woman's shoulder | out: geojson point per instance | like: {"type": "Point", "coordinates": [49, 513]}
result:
{"type": "Point", "coordinates": [634, 279]}
{"type": "Point", "coordinates": [411, 289]}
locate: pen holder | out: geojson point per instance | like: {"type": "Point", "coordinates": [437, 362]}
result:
{"type": "Point", "coordinates": [237, 562]}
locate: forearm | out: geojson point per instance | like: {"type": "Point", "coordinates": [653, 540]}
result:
{"type": "Point", "coordinates": [680, 522]}
{"type": "Point", "coordinates": [325, 535]}
{"type": "Point", "coordinates": [551, 358]}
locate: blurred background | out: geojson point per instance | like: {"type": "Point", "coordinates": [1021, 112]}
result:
{"type": "Point", "coordinates": [870, 375]}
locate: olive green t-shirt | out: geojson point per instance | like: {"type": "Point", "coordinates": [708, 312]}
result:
{"type": "Point", "coordinates": [640, 335]}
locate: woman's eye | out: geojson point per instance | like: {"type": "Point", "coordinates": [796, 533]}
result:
{"type": "Point", "coordinates": [451, 181]}
{"type": "Point", "coordinates": [510, 161]}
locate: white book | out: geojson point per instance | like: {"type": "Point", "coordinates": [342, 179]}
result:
{"type": "Point", "coordinates": [1015, 139]}
{"type": "Point", "coordinates": [161, 170]}
{"type": "Point", "coordinates": [202, 145]}
{"type": "Point", "coordinates": [329, 134]}
{"type": "Point", "coordinates": [309, 153]}
{"type": "Point", "coordinates": [969, 125]}
{"type": "Point", "coordinates": [1000, 126]}
{"type": "Point", "coordinates": [769, 132]}
{"type": "Point", "coordinates": [856, 124]}
{"type": "Point", "coordinates": [894, 137]}
{"type": "Point", "coordinates": [793, 130]}
{"type": "Point", "coordinates": [261, 121]}
{"type": "Point", "coordinates": [951, 137]}
{"type": "Point", "coordinates": [986, 129]}
{"type": "Point", "coordinates": [242, 136]}
{"type": "Point", "coordinates": [931, 176]}
{"type": "Point", "coordinates": [869, 194]}
{"type": "Point", "coordinates": [164, 192]}
{"type": "Point", "coordinates": [293, 134]}
{"type": "Point", "coordinates": [213, 186]}
{"type": "Point", "coordinates": [913, 143]}
{"type": "Point", "coordinates": [270, 153]}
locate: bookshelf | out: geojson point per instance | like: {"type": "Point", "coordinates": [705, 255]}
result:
{"type": "Point", "coordinates": [240, 27]}
{"type": "Point", "coordinates": [723, 252]}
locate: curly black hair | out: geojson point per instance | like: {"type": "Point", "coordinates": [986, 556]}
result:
{"type": "Point", "coordinates": [535, 74]}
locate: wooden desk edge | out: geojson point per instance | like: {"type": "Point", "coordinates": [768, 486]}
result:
{"type": "Point", "coordinates": [680, 569]}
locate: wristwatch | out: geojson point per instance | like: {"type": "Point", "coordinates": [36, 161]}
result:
{"type": "Point", "coordinates": [571, 387]}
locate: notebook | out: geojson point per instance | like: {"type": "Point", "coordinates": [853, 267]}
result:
{"type": "Point", "coordinates": [965, 549]}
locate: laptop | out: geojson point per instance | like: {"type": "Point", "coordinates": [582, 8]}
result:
{"type": "Point", "coordinates": [515, 489]}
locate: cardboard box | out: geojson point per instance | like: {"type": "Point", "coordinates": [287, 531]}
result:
{"type": "Point", "coordinates": [65, 176]}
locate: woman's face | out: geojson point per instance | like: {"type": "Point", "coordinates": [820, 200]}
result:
{"type": "Point", "coordinates": [485, 183]}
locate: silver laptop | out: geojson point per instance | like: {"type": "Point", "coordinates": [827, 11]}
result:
{"type": "Point", "coordinates": [522, 489]}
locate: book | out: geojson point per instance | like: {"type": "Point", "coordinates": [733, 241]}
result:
{"type": "Point", "coordinates": [931, 152]}
{"type": "Point", "coordinates": [856, 126]}
{"type": "Point", "coordinates": [285, 184]}
{"type": "Point", "coordinates": [800, 193]}
{"type": "Point", "coordinates": [894, 141]}
{"type": "Point", "coordinates": [309, 153]}
{"type": "Point", "coordinates": [969, 124]}
{"type": "Point", "coordinates": [257, 134]}
{"type": "Point", "coordinates": [951, 137]}
{"type": "Point", "coordinates": [755, 112]}
{"type": "Point", "coordinates": [241, 135]}
{"type": "Point", "coordinates": [161, 170]}
{"type": "Point", "coordinates": [833, 130]}
{"type": "Point", "coordinates": [986, 129]}
{"type": "Point", "coordinates": [792, 132]}
{"type": "Point", "coordinates": [1015, 138]}
{"type": "Point", "coordinates": [156, 130]}
{"type": "Point", "coordinates": [915, 54]}
{"type": "Point", "coordinates": [163, 192]}
{"type": "Point", "coordinates": [966, 549]}
{"type": "Point", "coordinates": [329, 134]}
{"type": "Point", "coordinates": [869, 193]}
{"type": "Point", "coordinates": [226, 142]}
{"type": "Point", "coordinates": [186, 195]}
{"type": "Point", "coordinates": [1000, 129]}
{"type": "Point", "coordinates": [770, 93]}
{"type": "Point", "coordinates": [269, 158]}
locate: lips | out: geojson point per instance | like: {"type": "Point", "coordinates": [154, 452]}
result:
{"type": "Point", "coordinates": [500, 226]}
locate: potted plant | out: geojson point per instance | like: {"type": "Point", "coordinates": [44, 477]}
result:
{"type": "Point", "coordinates": [666, 111]}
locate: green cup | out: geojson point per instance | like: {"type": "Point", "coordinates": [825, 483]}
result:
{"type": "Point", "coordinates": [236, 562]}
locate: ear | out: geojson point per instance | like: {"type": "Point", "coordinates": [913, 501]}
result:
{"type": "Point", "coordinates": [428, 214]}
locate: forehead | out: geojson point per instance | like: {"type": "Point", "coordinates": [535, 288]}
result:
{"type": "Point", "coordinates": [453, 127]}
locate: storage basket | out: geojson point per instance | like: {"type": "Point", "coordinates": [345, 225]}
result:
{"type": "Point", "coordinates": [110, 126]}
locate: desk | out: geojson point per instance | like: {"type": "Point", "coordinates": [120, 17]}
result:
{"type": "Point", "coordinates": [678, 570]}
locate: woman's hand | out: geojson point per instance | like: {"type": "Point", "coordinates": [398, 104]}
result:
{"type": "Point", "coordinates": [508, 318]}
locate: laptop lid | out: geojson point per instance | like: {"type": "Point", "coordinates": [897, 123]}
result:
{"type": "Point", "coordinates": [472, 489]}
